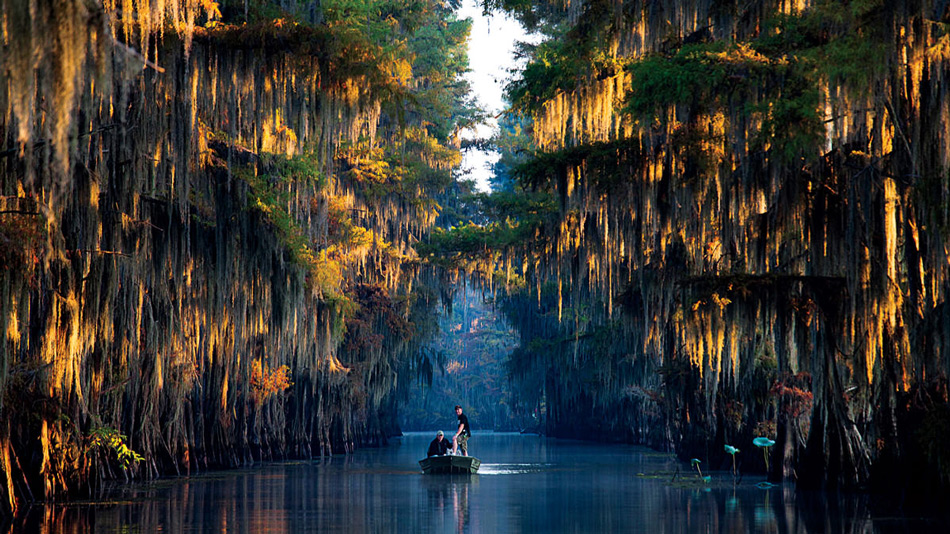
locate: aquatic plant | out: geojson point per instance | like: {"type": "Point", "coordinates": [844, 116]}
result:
{"type": "Point", "coordinates": [732, 451]}
{"type": "Point", "coordinates": [765, 444]}
{"type": "Point", "coordinates": [695, 463]}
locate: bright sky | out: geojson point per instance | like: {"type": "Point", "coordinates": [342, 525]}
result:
{"type": "Point", "coordinates": [491, 57]}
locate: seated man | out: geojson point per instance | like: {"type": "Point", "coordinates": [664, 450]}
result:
{"type": "Point", "coordinates": [439, 446]}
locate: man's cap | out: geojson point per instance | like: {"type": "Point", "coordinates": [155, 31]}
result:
{"type": "Point", "coordinates": [439, 433]}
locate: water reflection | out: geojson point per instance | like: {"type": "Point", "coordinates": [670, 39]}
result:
{"type": "Point", "coordinates": [526, 484]}
{"type": "Point", "coordinates": [448, 500]}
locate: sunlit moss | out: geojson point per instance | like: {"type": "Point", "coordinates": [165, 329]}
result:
{"type": "Point", "coordinates": [753, 198]}
{"type": "Point", "coordinates": [203, 221]}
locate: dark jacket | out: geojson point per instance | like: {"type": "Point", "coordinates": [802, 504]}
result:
{"type": "Point", "coordinates": [438, 448]}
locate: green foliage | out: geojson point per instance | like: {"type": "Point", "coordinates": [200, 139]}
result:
{"type": "Point", "coordinates": [568, 57]}
{"type": "Point", "coordinates": [844, 42]}
{"type": "Point", "coordinates": [271, 198]}
{"type": "Point", "coordinates": [704, 75]}
{"type": "Point", "coordinates": [515, 220]}
{"type": "Point", "coordinates": [302, 169]}
{"type": "Point", "coordinates": [270, 183]}
{"type": "Point", "coordinates": [439, 92]}
{"type": "Point", "coordinates": [406, 167]}
{"type": "Point", "coordinates": [773, 78]}
{"type": "Point", "coordinates": [109, 441]}
{"type": "Point", "coordinates": [777, 74]}
{"type": "Point", "coordinates": [533, 15]}
{"type": "Point", "coordinates": [792, 125]}
{"type": "Point", "coordinates": [345, 39]}
{"type": "Point", "coordinates": [553, 68]}
{"type": "Point", "coordinates": [409, 55]}
{"type": "Point", "coordinates": [526, 208]}
{"type": "Point", "coordinates": [469, 240]}
{"type": "Point", "coordinates": [780, 90]}
{"type": "Point", "coordinates": [377, 17]}
{"type": "Point", "coordinates": [558, 64]}
{"type": "Point", "coordinates": [602, 160]}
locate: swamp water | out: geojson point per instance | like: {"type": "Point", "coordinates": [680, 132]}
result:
{"type": "Point", "coordinates": [526, 483]}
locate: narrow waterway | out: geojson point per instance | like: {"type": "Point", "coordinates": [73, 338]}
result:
{"type": "Point", "coordinates": [526, 484]}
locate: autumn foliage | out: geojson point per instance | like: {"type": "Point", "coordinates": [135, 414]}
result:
{"type": "Point", "coordinates": [266, 382]}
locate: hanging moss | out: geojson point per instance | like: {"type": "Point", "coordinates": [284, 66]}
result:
{"type": "Point", "coordinates": [742, 186]}
{"type": "Point", "coordinates": [186, 278]}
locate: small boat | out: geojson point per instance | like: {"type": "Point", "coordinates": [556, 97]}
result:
{"type": "Point", "coordinates": [450, 464]}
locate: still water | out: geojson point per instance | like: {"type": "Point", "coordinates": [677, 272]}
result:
{"type": "Point", "coordinates": [526, 484]}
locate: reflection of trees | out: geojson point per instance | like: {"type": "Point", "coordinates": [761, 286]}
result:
{"type": "Point", "coordinates": [343, 494]}
{"type": "Point", "coordinates": [473, 347]}
{"type": "Point", "coordinates": [774, 510]}
{"type": "Point", "coordinates": [203, 504]}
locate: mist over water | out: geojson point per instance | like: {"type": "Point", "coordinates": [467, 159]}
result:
{"type": "Point", "coordinates": [526, 483]}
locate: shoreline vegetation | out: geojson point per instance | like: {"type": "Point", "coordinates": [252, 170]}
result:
{"type": "Point", "coordinates": [207, 212]}
{"type": "Point", "coordinates": [725, 221]}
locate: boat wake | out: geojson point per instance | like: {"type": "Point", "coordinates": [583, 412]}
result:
{"type": "Point", "coordinates": [512, 469]}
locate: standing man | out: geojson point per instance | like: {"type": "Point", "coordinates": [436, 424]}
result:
{"type": "Point", "coordinates": [460, 440]}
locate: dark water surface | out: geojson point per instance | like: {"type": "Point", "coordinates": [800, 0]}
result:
{"type": "Point", "coordinates": [526, 484]}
